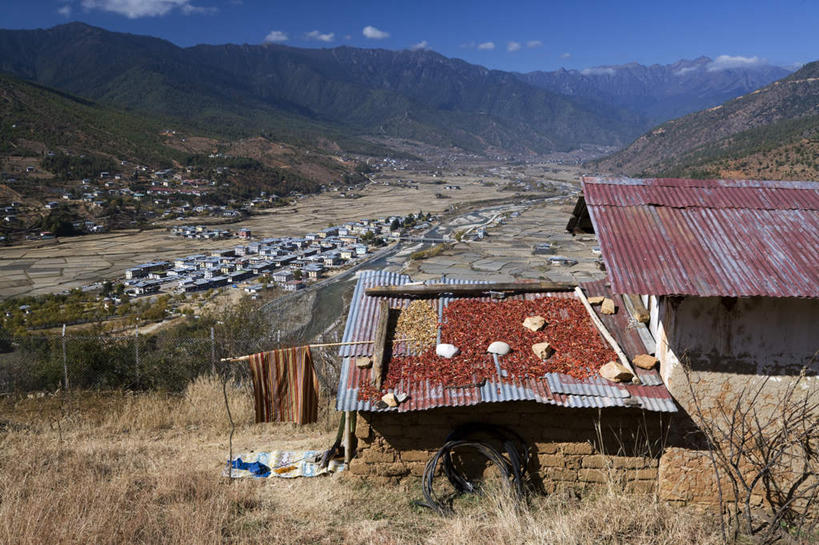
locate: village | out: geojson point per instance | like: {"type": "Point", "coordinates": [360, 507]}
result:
{"type": "Point", "coordinates": [601, 365]}
{"type": "Point", "coordinates": [92, 196]}
{"type": "Point", "coordinates": [289, 263]}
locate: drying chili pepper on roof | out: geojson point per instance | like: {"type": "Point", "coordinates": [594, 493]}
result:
{"type": "Point", "coordinates": [472, 324]}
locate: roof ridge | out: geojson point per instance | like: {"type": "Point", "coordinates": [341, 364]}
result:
{"type": "Point", "coordinates": [725, 183]}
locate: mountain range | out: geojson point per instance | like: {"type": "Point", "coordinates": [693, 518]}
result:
{"type": "Point", "coordinates": [660, 92]}
{"type": "Point", "coordinates": [358, 99]}
{"type": "Point", "coordinates": [771, 133]}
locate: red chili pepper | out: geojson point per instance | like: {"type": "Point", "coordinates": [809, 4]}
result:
{"type": "Point", "coordinates": [472, 325]}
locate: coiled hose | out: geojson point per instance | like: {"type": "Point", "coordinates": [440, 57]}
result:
{"type": "Point", "coordinates": [512, 467]}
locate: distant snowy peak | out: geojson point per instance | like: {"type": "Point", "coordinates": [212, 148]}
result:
{"type": "Point", "coordinates": [661, 92]}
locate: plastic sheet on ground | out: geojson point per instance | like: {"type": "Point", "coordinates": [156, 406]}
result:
{"type": "Point", "coordinates": [287, 464]}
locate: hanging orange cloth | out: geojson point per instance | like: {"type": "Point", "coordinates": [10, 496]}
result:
{"type": "Point", "coordinates": [285, 385]}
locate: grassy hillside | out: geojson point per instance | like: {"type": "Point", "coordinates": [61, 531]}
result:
{"type": "Point", "coordinates": [786, 150]}
{"type": "Point", "coordinates": [770, 133]}
{"type": "Point", "coordinates": [34, 119]}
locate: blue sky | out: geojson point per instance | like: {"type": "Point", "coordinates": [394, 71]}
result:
{"type": "Point", "coordinates": [523, 36]}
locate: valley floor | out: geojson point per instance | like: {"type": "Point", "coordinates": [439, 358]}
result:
{"type": "Point", "coordinates": [61, 264]}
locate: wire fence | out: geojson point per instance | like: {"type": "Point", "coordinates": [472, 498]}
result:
{"type": "Point", "coordinates": [140, 360]}
{"type": "Point", "coordinates": [144, 358]}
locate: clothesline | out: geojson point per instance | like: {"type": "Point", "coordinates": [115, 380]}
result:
{"type": "Point", "coordinates": [320, 345]}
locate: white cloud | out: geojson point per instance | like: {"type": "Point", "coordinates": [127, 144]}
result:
{"type": "Point", "coordinates": [531, 44]}
{"type": "Point", "coordinates": [65, 10]}
{"type": "Point", "coordinates": [486, 46]}
{"type": "Point", "coordinates": [319, 37]}
{"type": "Point", "coordinates": [188, 9]}
{"type": "Point", "coordinates": [725, 62]}
{"type": "Point", "coordinates": [513, 46]}
{"type": "Point", "coordinates": [134, 9]}
{"type": "Point", "coordinates": [598, 71]}
{"type": "Point", "coordinates": [276, 36]}
{"type": "Point", "coordinates": [374, 34]}
{"type": "Point", "coordinates": [566, 56]}
{"type": "Point", "coordinates": [686, 69]}
{"type": "Point", "coordinates": [423, 44]}
{"type": "Point", "coordinates": [467, 45]}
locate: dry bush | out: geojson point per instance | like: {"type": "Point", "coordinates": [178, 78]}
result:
{"type": "Point", "coordinates": [762, 439]}
{"type": "Point", "coordinates": [201, 405]}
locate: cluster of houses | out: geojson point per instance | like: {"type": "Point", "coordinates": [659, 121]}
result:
{"type": "Point", "coordinates": [10, 212]}
{"type": "Point", "coordinates": [200, 231]}
{"type": "Point", "coordinates": [288, 261]}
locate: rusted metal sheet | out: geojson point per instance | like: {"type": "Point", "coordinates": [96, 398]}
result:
{"type": "Point", "coordinates": [702, 194]}
{"type": "Point", "coordinates": [552, 389]}
{"type": "Point", "coordinates": [708, 238]}
{"type": "Point", "coordinates": [364, 314]}
{"type": "Point", "coordinates": [694, 182]}
{"type": "Point", "coordinates": [572, 394]}
{"type": "Point", "coordinates": [622, 327]}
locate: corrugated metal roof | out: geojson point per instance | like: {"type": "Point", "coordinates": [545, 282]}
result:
{"type": "Point", "coordinates": [364, 311]}
{"type": "Point", "coordinates": [707, 237]}
{"type": "Point", "coordinates": [552, 389]}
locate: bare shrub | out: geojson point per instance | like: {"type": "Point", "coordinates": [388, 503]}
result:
{"type": "Point", "coordinates": [763, 443]}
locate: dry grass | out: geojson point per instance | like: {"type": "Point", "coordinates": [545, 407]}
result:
{"type": "Point", "coordinates": [430, 252]}
{"type": "Point", "coordinates": [114, 468]}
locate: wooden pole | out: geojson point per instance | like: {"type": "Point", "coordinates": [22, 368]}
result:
{"type": "Point", "coordinates": [636, 308]}
{"type": "Point", "coordinates": [605, 332]}
{"type": "Point", "coordinates": [319, 345]}
{"type": "Point", "coordinates": [348, 436]}
{"type": "Point", "coordinates": [379, 349]}
{"type": "Point", "coordinates": [466, 289]}
{"type": "Point", "coordinates": [65, 361]}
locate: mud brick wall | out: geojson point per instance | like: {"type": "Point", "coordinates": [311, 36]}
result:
{"type": "Point", "coordinates": [686, 476]}
{"type": "Point", "coordinates": [686, 472]}
{"type": "Point", "coordinates": [571, 448]}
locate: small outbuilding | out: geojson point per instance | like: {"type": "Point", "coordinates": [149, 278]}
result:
{"type": "Point", "coordinates": [578, 426]}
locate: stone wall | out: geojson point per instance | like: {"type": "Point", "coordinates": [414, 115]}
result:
{"type": "Point", "coordinates": [571, 448]}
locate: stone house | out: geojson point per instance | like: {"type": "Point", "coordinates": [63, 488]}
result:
{"type": "Point", "coordinates": [729, 272]}
{"type": "Point", "coordinates": [579, 431]}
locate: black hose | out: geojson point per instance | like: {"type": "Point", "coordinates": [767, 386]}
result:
{"type": "Point", "coordinates": [513, 444]}
{"type": "Point", "coordinates": [512, 467]}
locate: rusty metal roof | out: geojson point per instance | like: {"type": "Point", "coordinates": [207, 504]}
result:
{"type": "Point", "coordinates": [364, 311]}
{"type": "Point", "coordinates": [552, 388]}
{"type": "Point", "coordinates": [736, 238]}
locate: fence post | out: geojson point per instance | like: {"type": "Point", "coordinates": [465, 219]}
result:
{"type": "Point", "coordinates": [136, 350]}
{"type": "Point", "coordinates": [212, 351]}
{"type": "Point", "coordinates": [65, 361]}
